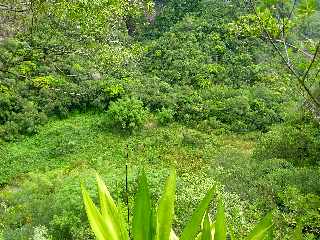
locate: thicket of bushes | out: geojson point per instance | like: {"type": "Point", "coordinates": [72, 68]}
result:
{"type": "Point", "coordinates": [200, 69]}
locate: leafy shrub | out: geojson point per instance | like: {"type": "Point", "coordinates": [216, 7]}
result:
{"type": "Point", "coordinates": [198, 51]}
{"type": "Point", "coordinates": [127, 114]}
{"type": "Point", "coordinates": [154, 93]}
{"type": "Point", "coordinates": [302, 209]}
{"type": "Point", "coordinates": [299, 144]}
{"type": "Point", "coordinates": [165, 116]}
{"type": "Point", "coordinates": [47, 81]}
{"type": "Point", "coordinates": [18, 116]}
{"type": "Point", "coordinates": [51, 201]}
{"type": "Point", "coordinates": [56, 80]}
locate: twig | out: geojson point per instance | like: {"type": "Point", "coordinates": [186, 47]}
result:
{"type": "Point", "coordinates": [284, 42]}
{"type": "Point", "coordinates": [309, 55]}
{"type": "Point", "coordinates": [312, 62]}
{"type": "Point", "coordinates": [291, 12]}
{"type": "Point", "coordinates": [300, 79]}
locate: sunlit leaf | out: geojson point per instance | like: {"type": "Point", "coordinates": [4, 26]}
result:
{"type": "Point", "coordinates": [220, 226]}
{"type": "Point", "coordinates": [165, 211]}
{"type": "Point", "coordinates": [141, 225]}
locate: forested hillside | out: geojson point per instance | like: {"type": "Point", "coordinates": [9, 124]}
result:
{"type": "Point", "coordinates": [226, 92]}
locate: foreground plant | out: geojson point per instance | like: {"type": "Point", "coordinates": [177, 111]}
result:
{"type": "Point", "coordinates": [156, 224]}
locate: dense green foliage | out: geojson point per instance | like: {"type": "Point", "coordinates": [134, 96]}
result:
{"type": "Point", "coordinates": [127, 114]}
{"type": "Point", "coordinates": [48, 167]}
{"type": "Point", "coordinates": [194, 84]}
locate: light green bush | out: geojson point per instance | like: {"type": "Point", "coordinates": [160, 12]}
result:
{"type": "Point", "coordinates": [127, 114]}
{"type": "Point", "coordinates": [165, 116]}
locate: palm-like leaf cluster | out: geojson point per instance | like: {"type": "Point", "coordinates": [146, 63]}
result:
{"type": "Point", "coordinates": [156, 223]}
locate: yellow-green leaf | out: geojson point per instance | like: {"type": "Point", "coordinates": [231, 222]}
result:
{"type": "Point", "coordinates": [99, 226]}
{"type": "Point", "coordinates": [262, 229]}
{"type": "Point", "coordinates": [221, 226]}
{"type": "Point", "coordinates": [165, 211]}
{"type": "Point", "coordinates": [141, 225]}
{"type": "Point", "coordinates": [193, 226]}
{"type": "Point", "coordinates": [110, 212]}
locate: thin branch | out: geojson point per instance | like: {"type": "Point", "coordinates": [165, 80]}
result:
{"type": "Point", "coordinates": [307, 54]}
{"type": "Point", "coordinates": [312, 62]}
{"type": "Point", "coordinates": [270, 39]}
{"type": "Point", "coordinates": [300, 79]}
{"type": "Point", "coordinates": [291, 12]}
{"type": "Point", "coordinates": [317, 73]}
{"type": "Point", "coordinates": [284, 42]}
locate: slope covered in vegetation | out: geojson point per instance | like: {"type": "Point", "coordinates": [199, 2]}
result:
{"type": "Point", "coordinates": [90, 86]}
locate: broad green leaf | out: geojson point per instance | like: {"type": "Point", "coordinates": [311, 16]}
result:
{"type": "Point", "coordinates": [221, 226]}
{"type": "Point", "coordinates": [262, 229]}
{"type": "Point", "coordinates": [102, 229]}
{"type": "Point", "coordinates": [141, 225]}
{"type": "Point", "coordinates": [110, 211]}
{"type": "Point", "coordinates": [193, 226]}
{"type": "Point", "coordinates": [206, 228]}
{"type": "Point", "coordinates": [212, 229]}
{"type": "Point", "coordinates": [165, 211]}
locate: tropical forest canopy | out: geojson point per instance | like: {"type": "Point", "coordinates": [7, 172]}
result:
{"type": "Point", "coordinates": [225, 91]}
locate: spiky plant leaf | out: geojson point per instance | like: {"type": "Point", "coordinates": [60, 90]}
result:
{"type": "Point", "coordinates": [206, 228]}
{"type": "Point", "coordinates": [110, 211]}
{"type": "Point", "coordinates": [193, 226]}
{"type": "Point", "coordinates": [165, 211]}
{"type": "Point", "coordinates": [153, 224]}
{"type": "Point", "coordinates": [221, 226]}
{"type": "Point", "coordinates": [213, 230]}
{"type": "Point", "coordinates": [141, 225]}
{"type": "Point", "coordinates": [261, 231]}
{"type": "Point", "coordinates": [102, 229]}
